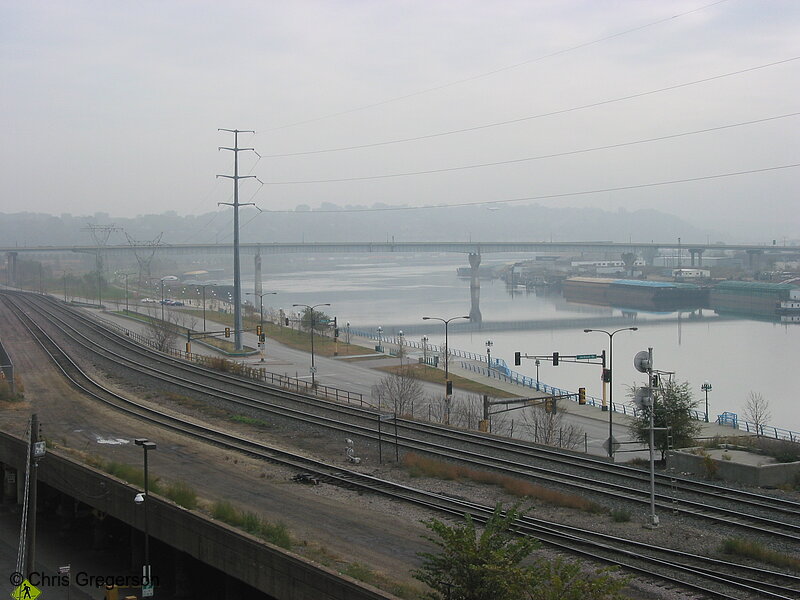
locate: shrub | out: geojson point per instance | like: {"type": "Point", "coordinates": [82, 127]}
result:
{"type": "Point", "coordinates": [182, 494]}
{"type": "Point", "coordinates": [756, 551]}
{"type": "Point", "coordinates": [620, 515]}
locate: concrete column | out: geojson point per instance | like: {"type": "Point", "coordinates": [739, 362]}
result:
{"type": "Point", "coordinates": [753, 261]}
{"type": "Point", "coordinates": [475, 288]}
{"type": "Point", "coordinates": [696, 252]}
{"type": "Point", "coordinates": [257, 265]}
{"type": "Point", "coordinates": [11, 268]}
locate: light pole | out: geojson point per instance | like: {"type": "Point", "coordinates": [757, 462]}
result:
{"type": "Point", "coordinates": [447, 384]}
{"type": "Point", "coordinates": [261, 313]}
{"type": "Point", "coordinates": [126, 275]}
{"type": "Point", "coordinates": [380, 333]}
{"type": "Point", "coordinates": [608, 375]}
{"type": "Point", "coordinates": [145, 499]}
{"type": "Point", "coordinates": [537, 373]}
{"type": "Point", "coordinates": [706, 387]}
{"type": "Point", "coordinates": [203, 287]}
{"type": "Point", "coordinates": [401, 349]}
{"type": "Point", "coordinates": [489, 345]}
{"type": "Point", "coordinates": [425, 349]}
{"type": "Point", "coordinates": [311, 316]}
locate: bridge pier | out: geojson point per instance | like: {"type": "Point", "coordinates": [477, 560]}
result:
{"type": "Point", "coordinates": [698, 253]}
{"type": "Point", "coordinates": [257, 277]}
{"type": "Point", "coordinates": [475, 288]}
{"type": "Point", "coordinates": [753, 259]}
{"type": "Point", "coordinates": [11, 268]}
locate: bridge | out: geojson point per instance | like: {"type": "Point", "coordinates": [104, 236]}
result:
{"type": "Point", "coordinates": [610, 250]}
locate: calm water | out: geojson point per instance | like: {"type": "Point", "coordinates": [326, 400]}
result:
{"type": "Point", "coordinates": [395, 291]}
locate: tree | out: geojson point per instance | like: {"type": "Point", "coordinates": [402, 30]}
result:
{"type": "Point", "coordinates": [488, 565]}
{"type": "Point", "coordinates": [673, 403]}
{"type": "Point", "coordinates": [551, 428]}
{"type": "Point", "coordinates": [756, 410]}
{"type": "Point", "coordinates": [477, 566]}
{"type": "Point", "coordinates": [317, 318]}
{"type": "Point", "coordinates": [162, 334]}
{"type": "Point", "coordinates": [398, 391]}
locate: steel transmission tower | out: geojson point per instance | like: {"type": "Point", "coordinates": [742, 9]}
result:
{"type": "Point", "coordinates": [144, 252]}
{"type": "Point", "coordinates": [237, 275]}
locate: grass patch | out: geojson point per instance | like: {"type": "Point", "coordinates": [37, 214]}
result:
{"type": "Point", "coordinates": [783, 451]}
{"type": "Point", "coordinates": [274, 533]}
{"type": "Point", "coordinates": [182, 494]}
{"type": "Point", "coordinates": [249, 421]}
{"type": "Point", "coordinates": [755, 551]}
{"type": "Point", "coordinates": [365, 574]}
{"type": "Point", "coordinates": [421, 466]}
{"type": "Point", "coordinates": [620, 515]}
{"type": "Point", "coordinates": [133, 475]}
{"type": "Point", "coordinates": [5, 391]}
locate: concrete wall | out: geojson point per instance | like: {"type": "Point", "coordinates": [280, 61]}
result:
{"type": "Point", "coordinates": [772, 475]}
{"type": "Point", "coordinates": [265, 567]}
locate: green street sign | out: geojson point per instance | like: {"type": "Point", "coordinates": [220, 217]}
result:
{"type": "Point", "coordinates": [585, 356]}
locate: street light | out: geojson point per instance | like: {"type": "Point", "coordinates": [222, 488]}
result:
{"type": "Point", "coordinates": [261, 311]}
{"type": "Point", "coordinates": [608, 375]}
{"type": "Point", "coordinates": [706, 387]}
{"type": "Point", "coordinates": [203, 287]}
{"type": "Point", "coordinates": [537, 373]}
{"type": "Point", "coordinates": [489, 345]}
{"type": "Point", "coordinates": [145, 499]}
{"type": "Point", "coordinates": [400, 341]}
{"type": "Point", "coordinates": [425, 349]}
{"type": "Point", "coordinates": [311, 316]}
{"type": "Point", "coordinates": [380, 333]}
{"type": "Point", "coordinates": [446, 347]}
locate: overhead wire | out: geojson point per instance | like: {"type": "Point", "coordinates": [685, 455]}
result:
{"type": "Point", "coordinates": [539, 157]}
{"type": "Point", "coordinates": [496, 71]}
{"type": "Point", "coordinates": [536, 116]}
{"type": "Point", "coordinates": [554, 196]}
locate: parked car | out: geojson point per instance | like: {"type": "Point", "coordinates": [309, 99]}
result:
{"type": "Point", "coordinates": [149, 300]}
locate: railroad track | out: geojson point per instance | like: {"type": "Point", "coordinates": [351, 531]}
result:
{"type": "Point", "coordinates": [715, 579]}
{"type": "Point", "coordinates": [753, 512]}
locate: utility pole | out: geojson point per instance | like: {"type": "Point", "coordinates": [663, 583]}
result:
{"type": "Point", "coordinates": [237, 275]}
{"type": "Point", "coordinates": [35, 452]}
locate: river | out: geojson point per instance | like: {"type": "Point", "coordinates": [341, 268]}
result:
{"type": "Point", "coordinates": [737, 356]}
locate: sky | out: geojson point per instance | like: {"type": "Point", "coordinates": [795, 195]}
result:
{"type": "Point", "coordinates": [114, 106]}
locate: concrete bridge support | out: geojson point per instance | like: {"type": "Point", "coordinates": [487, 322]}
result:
{"type": "Point", "coordinates": [649, 255]}
{"type": "Point", "coordinates": [696, 253]}
{"type": "Point", "coordinates": [11, 268]}
{"type": "Point", "coordinates": [754, 259]}
{"type": "Point", "coordinates": [475, 288]}
{"type": "Point", "coordinates": [257, 277]}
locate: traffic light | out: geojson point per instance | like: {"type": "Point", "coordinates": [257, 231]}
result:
{"type": "Point", "coordinates": [517, 358]}
{"type": "Point", "coordinates": [287, 321]}
{"type": "Point", "coordinates": [335, 332]}
{"type": "Point", "coordinates": [581, 395]}
{"type": "Point", "coordinates": [258, 330]}
{"type": "Point", "coordinates": [656, 380]}
{"type": "Point", "coordinates": [555, 359]}
{"type": "Point", "coordinates": [262, 337]}
{"type": "Point", "coordinates": [335, 323]}
{"type": "Point", "coordinates": [448, 386]}
{"type": "Point", "coordinates": [607, 375]}
{"type": "Point", "coordinates": [550, 405]}
{"type": "Point", "coordinates": [227, 332]}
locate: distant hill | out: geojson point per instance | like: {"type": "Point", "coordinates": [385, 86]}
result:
{"type": "Point", "coordinates": [507, 223]}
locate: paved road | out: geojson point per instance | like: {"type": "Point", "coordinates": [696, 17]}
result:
{"type": "Point", "coordinates": [362, 375]}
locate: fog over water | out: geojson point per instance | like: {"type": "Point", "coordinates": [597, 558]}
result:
{"type": "Point", "coordinates": [395, 291]}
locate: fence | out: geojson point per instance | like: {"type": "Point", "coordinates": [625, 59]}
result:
{"type": "Point", "coordinates": [258, 374]}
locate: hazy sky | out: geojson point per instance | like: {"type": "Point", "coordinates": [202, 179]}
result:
{"type": "Point", "coordinates": [114, 106]}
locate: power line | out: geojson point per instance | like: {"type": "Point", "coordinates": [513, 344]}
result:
{"type": "Point", "coordinates": [495, 71]}
{"type": "Point", "coordinates": [540, 157]}
{"type": "Point", "coordinates": [552, 196]}
{"type": "Point", "coordinates": [537, 116]}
